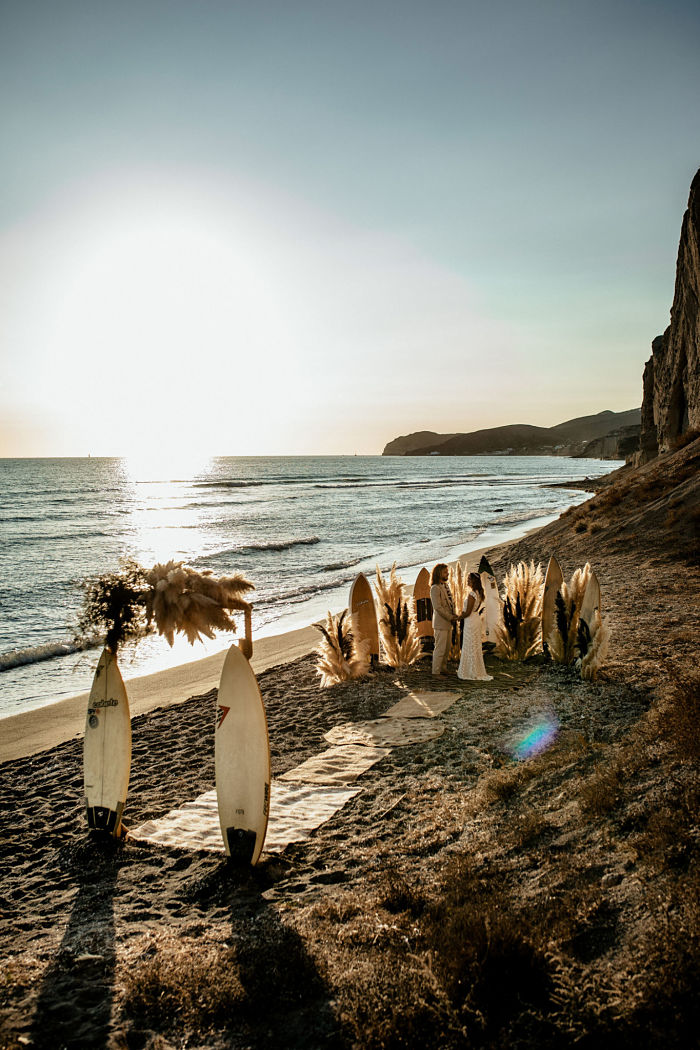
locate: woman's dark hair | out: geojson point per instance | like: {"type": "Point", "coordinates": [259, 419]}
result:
{"type": "Point", "coordinates": [474, 580]}
{"type": "Point", "coordinates": [435, 577]}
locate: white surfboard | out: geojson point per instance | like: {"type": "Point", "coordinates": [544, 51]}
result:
{"type": "Point", "coordinates": [591, 602]}
{"type": "Point", "coordinates": [552, 586]}
{"type": "Point", "coordinates": [493, 606]}
{"type": "Point", "coordinates": [107, 748]}
{"type": "Point", "coordinates": [364, 614]}
{"type": "Point", "coordinates": [241, 760]}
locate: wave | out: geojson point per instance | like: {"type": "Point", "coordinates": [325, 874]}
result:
{"type": "Point", "coordinates": [262, 547]}
{"type": "Point", "coordinates": [57, 537]}
{"type": "Point", "coordinates": [334, 566]}
{"type": "Point", "coordinates": [230, 484]}
{"type": "Point", "coordinates": [47, 651]}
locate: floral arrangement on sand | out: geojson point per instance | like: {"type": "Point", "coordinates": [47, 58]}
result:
{"type": "Point", "coordinates": [568, 602]}
{"type": "Point", "coordinates": [518, 633]}
{"type": "Point", "coordinates": [133, 601]}
{"type": "Point", "coordinates": [458, 587]}
{"type": "Point", "coordinates": [397, 625]}
{"type": "Point", "coordinates": [340, 656]}
{"type": "Point", "coordinates": [592, 646]}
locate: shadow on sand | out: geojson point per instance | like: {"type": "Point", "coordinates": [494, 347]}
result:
{"type": "Point", "coordinates": [74, 1004]}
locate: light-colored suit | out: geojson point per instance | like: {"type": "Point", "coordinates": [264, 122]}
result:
{"type": "Point", "coordinates": [443, 611]}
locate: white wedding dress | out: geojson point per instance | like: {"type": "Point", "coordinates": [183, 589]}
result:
{"type": "Point", "coordinates": [471, 663]}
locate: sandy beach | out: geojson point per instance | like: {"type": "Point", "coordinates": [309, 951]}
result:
{"type": "Point", "coordinates": [574, 871]}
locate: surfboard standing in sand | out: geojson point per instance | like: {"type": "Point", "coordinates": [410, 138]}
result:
{"type": "Point", "coordinates": [107, 748]}
{"type": "Point", "coordinates": [364, 615]}
{"type": "Point", "coordinates": [493, 606]}
{"type": "Point", "coordinates": [424, 610]}
{"type": "Point", "coordinates": [241, 760]}
{"type": "Point", "coordinates": [553, 582]}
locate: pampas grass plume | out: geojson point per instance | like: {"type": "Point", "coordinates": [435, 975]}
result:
{"type": "Point", "coordinates": [196, 604]}
{"type": "Point", "coordinates": [397, 626]}
{"type": "Point", "coordinates": [340, 656]}
{"type": "Point", "coordinates": [518, 635]}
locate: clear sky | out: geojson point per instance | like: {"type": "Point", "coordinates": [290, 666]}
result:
{"type": "Point", "coordinates": [243, 226]}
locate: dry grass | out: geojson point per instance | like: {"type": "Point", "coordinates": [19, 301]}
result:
{"type": "Point", "coordinates": [397, 624]}
{"type": "Point", "coordinates": [518, 634]}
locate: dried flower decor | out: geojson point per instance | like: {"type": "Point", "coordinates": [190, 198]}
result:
{"type": "Point", "coordinates": [458, 588]}
{"type": "Point", "coordinates": [134, 602]}
{"type": "Point", "coordinates": [397, 625]}
{"type": "Point", "coordinates": [339, 656]}
{"type": "Point", "coordinates": [196, 604]}
{"type": "Point", "coordinates": [568, 602]}
{"type": "Point", "coordinates": [115, 606]}
{"type": "Point", "coordinates": [518, 634]}
{"type": "Point", "coordinates": [592, 646]}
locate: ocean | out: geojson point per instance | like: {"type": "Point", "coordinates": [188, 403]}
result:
{"type": "Point", "coordinates": [300, 528]}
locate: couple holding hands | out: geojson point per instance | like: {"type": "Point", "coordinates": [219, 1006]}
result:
{"type": "Point", "coordinates": [471, 665]}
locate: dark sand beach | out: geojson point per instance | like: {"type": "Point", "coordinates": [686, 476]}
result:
{"type": "Point", "coordinates": [461, 898]}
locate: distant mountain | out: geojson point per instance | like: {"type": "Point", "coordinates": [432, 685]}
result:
{"type": "Point", "coordinates": [565, 439]}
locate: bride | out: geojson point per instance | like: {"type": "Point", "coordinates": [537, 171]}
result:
{"type": "Point", "coordinates": [471, 664]}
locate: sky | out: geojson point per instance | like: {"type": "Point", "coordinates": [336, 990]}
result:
{"type": "Point", "coordinates": [254, 228]}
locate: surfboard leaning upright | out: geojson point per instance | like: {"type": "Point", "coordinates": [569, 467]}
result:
{"type": "Point", "coordinates": [552, 585]}
{"type": "Point", "coordinates": [241, 760]}
{"type": "Point", "coordinates": [424, 610]}
{"type": "Point", "coordinates": [364, 613]}
{"type": "Point", "coordinates": [107, 748]}
{"type": "Point", "coordinates": [493, 606]}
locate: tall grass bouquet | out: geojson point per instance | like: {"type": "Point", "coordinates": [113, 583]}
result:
{"type": "Point", "coordinates": [340, 656]}
{"type": "Point", "coordinates": [397, 624]}
{"type": "Point", "coordinates": [568, 602]}
{"type": "Point", "coordinates": [519, 632]}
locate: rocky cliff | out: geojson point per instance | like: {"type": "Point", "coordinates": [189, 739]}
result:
{"type": "Point", "coordinates": [671, 385]}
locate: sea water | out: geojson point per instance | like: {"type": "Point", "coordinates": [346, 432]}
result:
{"type": "Point", "coordinates": [300, 528]}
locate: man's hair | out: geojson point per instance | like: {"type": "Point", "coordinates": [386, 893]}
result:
{"type": "Point", "coordinates": [435, 577]}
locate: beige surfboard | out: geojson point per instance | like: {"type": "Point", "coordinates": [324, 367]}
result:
{"type": "Point", "coordinates": [107, 748]}
{"type": "Point", "coordinates": [241, 760]}
{"type": "Point", "coordinates": [364, 614]}
{"type": "Point", "coordinates": [424, 610]}
{"type": "Point", "coordinates": [552, 586]}
{"type": "Point", "coordinates": [591, 602]}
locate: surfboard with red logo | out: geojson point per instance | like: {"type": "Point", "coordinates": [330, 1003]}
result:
{"type": "Point", "coordinates": [241, 760]}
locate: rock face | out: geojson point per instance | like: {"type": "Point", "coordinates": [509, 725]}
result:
{"type": "Point", "coordinates": [671, 396]}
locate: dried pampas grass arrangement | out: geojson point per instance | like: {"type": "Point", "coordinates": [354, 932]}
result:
{"type": "Point", "coordinates": [397, 625]}
{"type": "Point", "coordinates": [340, 656]}
{"type": "Point", "coordinates": [518, 634]}
{"type": "Point", "coordinates": [115, 607]}
{"type": "Point", "coordinates": [134, 602]}
{"type": "Point", "coordinates": [563, 643]}
{"type": "Point", "coordinates": [196, 604]}
{"type": "Point", "coordinates": [592, 646]}
{"type": "Point", "coordinates": [458, 587]}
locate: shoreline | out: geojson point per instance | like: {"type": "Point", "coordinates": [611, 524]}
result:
{"type": "Point", "coordinates": [42, 728]}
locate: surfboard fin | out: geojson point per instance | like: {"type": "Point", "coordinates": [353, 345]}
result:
{"type": "Point", "coordinates": [241, 845]}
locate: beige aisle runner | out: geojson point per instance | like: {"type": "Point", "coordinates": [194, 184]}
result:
{"type": "Point", "coordinates": [338, 765]}
{"type": "Point", "coordinates": [386, 732]}
{"type": "Point", "coordinates": [295, 811]}
{"type": "Point", "coordinates": [310, 794]}
{"type": "Point", "coordinates": [422, 705]}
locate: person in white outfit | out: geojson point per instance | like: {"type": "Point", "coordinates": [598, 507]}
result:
{"type": "Point", "coordinates": [443, 616]}
{"type": "Point", "coordinates": [471, 663]}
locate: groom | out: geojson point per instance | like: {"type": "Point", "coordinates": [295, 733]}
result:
{"type": "Point", "coordinates": [443, 616]}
